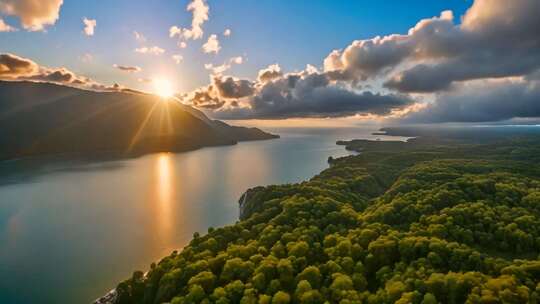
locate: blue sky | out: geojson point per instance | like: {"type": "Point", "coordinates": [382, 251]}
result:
{"type": "Point", "coordinates": [291, 33]}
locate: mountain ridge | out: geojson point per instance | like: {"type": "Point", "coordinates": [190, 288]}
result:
{"type": "Point", "coordinates": [45, 118]}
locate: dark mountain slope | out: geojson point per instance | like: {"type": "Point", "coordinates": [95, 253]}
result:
{"type": "Point", "coordinates": [43, 118]}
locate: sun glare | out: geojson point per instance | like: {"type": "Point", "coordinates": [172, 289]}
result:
{"type": "Point", "coordinates": [163, 87]}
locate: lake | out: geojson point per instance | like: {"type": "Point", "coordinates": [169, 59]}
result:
{"type": "Point", "coordinates": [70, 230]}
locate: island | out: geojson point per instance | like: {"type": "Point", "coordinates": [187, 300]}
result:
{"type": "Point", "coordinates": [430, 220]}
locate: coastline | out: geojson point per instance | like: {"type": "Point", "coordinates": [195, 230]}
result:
{"type": "Point", "coordinates": [119, 155]}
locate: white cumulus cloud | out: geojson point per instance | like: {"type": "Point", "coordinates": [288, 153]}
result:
{"type": "Point", "coordinates": [139, 37]}
{"type": "Point", "coordinates": [153, 50]}
{"type": "Point", "coordinates": [220, 69]}
{"type": "Point", "coordinates": [177, 58]}
{"type": "Point", "coordinates": [199, 9]}
{"type": "Point", "coordinates": [212, 45]}
{"type": "Point", "coordinates": [89, 26]}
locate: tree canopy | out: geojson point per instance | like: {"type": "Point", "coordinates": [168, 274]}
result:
{"type": "Point", "coordinates": [398, 223]}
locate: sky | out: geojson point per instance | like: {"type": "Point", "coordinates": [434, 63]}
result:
{"type": "Point", "coordinates": [405, 61]}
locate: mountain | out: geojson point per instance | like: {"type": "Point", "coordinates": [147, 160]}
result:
{"type": "Point", "coordinates": [45, 118]}
{"type": "Point", "coordinates": [424, 221]}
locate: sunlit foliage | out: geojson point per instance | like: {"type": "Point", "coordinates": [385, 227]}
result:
{"type": "Point", "coordinates": [412, 224]}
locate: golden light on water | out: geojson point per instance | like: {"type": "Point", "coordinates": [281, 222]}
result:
{"type": "Point", "coordinates": [164, 178]}
{"type": "Point", "coordinates": [165, 196]}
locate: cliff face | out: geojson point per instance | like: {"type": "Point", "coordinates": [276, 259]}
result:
{"type": "Point", "coordinates": [43, 118]}
{"type": "Point", "coordinates": [248, 202]}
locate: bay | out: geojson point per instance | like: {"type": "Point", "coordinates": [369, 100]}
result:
{"type": "Point", "coordinates": [71, 229]}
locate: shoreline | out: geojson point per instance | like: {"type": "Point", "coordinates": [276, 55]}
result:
{"type": "Point", "coordinates": [115, 154]}
{"type": "Point", "coordinates": [111, 296]}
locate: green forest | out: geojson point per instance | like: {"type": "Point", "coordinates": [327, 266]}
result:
{"type": "Point", "coordinates": [425, 221]}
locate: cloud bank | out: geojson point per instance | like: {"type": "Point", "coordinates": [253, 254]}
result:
{"type": "Point", "coordinates": [467, 69]}
{"type": "Point", "coordinates": [483, 102]}
{"type": "Point", "coordinates": [496, 38]}
{"type": "Point", "coordinates": [305, 94]}
{"type": "Point", "coordinates": [16, 68]}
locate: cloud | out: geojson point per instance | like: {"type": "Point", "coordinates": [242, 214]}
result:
{"type": "Point", "coordinates": [4, 27]}
{"type": "Point", "coordinates": [203, 98]}
{"type": "Point", "coordinates": [271, 72]}
{"type": "Point", "coordinates": [308, 93]}
{"type": "Point", "coordinates": [60, 75]}
{"type": "Point", "coordinates": [483, 67]}
{"type": "Point", "coordinates": [486, 101]}
{"type": "Point", "coordinates": [230, 87]}
{"type": "Point", "coordinates": [139, 37]}
{"type": "Point", "coordinates": [227, 33]}
{"type": "Point", "coordinates": [496, 38]}
{"type": "Point", "coordinates": [16, 68]}
{"type": "Point", "coordinates": [199, 9]}
{"type": "Point", "coordinates": [237, 60]}
{"type": "Point", "coordinates": [89, 26]}
{"type": "Point", "coordinates": [129, 69]}
{"type": "Point", "coordinates": [177, 58]}
{"type": "Point", "coordinates": [154, 50]}
{"type": "Point", "coordinates": [175, 31]}
{"type": "Point", "coordinates": [145, 80]}
{"type": "Point", "coordinates": [87, 57]}
{"type": "Point", "coordinates": [33, 14]}
{"type": "Point", "coordinates": [13, 66]}
{"type": "Point", "coordinates": [212, 45]}
{"type": "Point", "coordinates": [220, 69]}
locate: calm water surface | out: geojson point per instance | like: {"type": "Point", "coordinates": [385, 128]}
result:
{"type": "Point", "coordinates": [71, 230]}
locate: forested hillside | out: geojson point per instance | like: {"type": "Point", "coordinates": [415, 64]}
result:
{"type": "Point", "coordinates": [419, 222]}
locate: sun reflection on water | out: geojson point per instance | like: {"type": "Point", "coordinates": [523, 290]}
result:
{"type": "Point", "coordinates": [165, 196]}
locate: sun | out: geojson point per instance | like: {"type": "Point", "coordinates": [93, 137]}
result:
{"type": "Point", "coordinates": [163, 87]}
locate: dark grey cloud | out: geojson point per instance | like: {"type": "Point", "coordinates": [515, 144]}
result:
{"type": "Point", "coordinates": [129, 69]}
{"type": "Point", "coordinates": [485, 102]}
{"type": "Point", "coordinates": [320, 102]}
{"type": "Point", "coordinates": [437, 77]}
{"type": "Point", "coordinates": [230, 87]}
{"type": "Point", "coordinates": [204, 98]}
{"type": "Point", "coordinates": [304, 94]}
